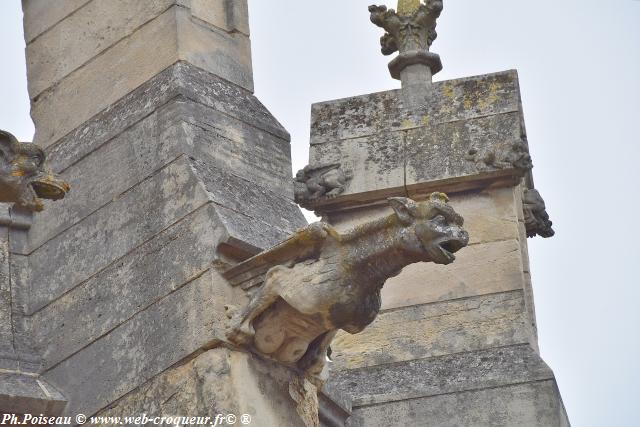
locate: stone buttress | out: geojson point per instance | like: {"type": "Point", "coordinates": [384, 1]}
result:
{"type": "Point", "coordinates": [147, 109]}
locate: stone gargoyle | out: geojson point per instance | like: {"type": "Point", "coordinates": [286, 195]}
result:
{"type": "Point", "coordinates": [24, 179]}
{"type": "Point", "coordinates": [319, 181]}
{"type": "Point", "coordinates": [506, 155]}
{"type": "Point", "coordinates": [320, 281]}
{"type": "Point", "coordinates": [536, 218]}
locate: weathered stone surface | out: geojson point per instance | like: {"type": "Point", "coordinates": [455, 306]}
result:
{"type": "Point", "coordinates": [179, 127]}
{"type": "Point", "coordinates": [435, 329]}
{"type": "Point", "coordinates": [5, 292]}
{"type": "Point", "coordinates": [393, 148]}
{"type": "Point", "coordinates": [24, 394]}
{"type": "Point", "coordinates": [80, 37]}
{"type": "Point", "coordinates": [128, 285]}
{"type": "Point", "coordinates": [227, 55]}
{"type": "Point", "coordinates": [134, 60]}
{"type": "Point", "coordinates": [39, 16]}
{"type": "Point", "coordinates": [218, 381]}
{"type": "Point", "coordinates": [375, 162]}
{"type": "Point", "coordinates": [449, 101]}
{"type": "Point", "coordinates": [182, 81]}
{"type": "Point", "coordinates": [529, 404]}
{"type": "Point", "coordinates": [149, 343]}
{"type": "Point", "coordinates": [450, 373]}
{"type": "Point", "coordinates": [111, 232]}
{"type": "Point", "coordinates": [478, 270]}
{"type": "Point", "coordinates": [272, 216]}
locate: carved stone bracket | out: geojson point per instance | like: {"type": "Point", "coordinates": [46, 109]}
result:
{"type": "Point", "coordinates": [320, 281]}
{"type": "Point", "coordinates": [508, 155]}
{"type": "Point", "coordinates": [411, 33]}
{"type": "Point", "coordinates": [318, 182]}
{"type": "Point", "coordinates": [24, 178]}
{"type": "Point", "coordinates": [536, 218]}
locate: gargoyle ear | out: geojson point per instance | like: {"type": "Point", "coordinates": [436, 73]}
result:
{"type": "Point", "coordinates": [406, 209]}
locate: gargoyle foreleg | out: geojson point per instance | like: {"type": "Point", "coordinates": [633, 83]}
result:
{"type": "Point", "coordinates": [242, 332]}
{"type": "Point", "coordinates": [314, 360]}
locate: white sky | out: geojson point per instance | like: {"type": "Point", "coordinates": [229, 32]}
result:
{"type": "Point", "coordinates": [579, 67]}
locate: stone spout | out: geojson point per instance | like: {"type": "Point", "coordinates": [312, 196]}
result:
{"type": "Point", "coordinates": [24, 177]}
{"type": "Point", "coordinates": [320, 281]}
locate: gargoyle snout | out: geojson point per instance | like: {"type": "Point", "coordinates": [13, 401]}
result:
{"type": "Point", "coordinates": [50, 186]}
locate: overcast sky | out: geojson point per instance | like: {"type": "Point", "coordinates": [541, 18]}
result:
{"type": "Point", "coordinates": [579, 68]}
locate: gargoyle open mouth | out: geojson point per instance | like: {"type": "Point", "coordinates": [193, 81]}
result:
{"type": "Point", "coordinates": [50, 188]}
{"type": "Point", "coordinates": [443, 252]}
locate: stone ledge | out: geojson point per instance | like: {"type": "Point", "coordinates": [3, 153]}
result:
{"type": "Point", "coordinates": [441, 375]}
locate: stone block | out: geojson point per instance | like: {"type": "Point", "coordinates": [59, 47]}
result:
{"type": "Point", "coordinates": [452, 373]}
{"type": "Point", "coordinates": [134, 60]}
{"type": "Point", "coordinates": [39, 16]}
{"type": "Point", "coordinates": [130, 285]}
{"type": "Point", "coordinates": [449, 101]}
{"type": "Point", "coordinates": [230, 16]}
{"type": "Point", "coordinates": [181, 82]}
{"type": "Point", "coordinates": [25, 394]}
{"type": "Point", "coordinates": [528, 404]}
{"type": "Point", "coordinates": [393, 149]}
{"type": "Point", "coordinates": [155, 339]}
{"type": "Point", "coordinates": [179, 127]}
{"type": "Point", "coordinates": [478, 270]}
{"type": "Point", "coordinates": [375, 162]}
{"type": "Point", "coordinates": [5, 289]}
{"type": "Point", "coordinates": [80, 37]}
{"type": "Point", "coordinates": [111, 232]}
{"type": "Point", "coordinates": [435, 329]}
{"type": "Point", "coordinates": [217, 381]}
{"type": "Point", "coordinates": [227, 55]}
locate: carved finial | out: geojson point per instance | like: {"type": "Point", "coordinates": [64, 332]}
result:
{"type": "Point", "coordinates": [24, 178]}
{"type": "Point", "coordinates": [411, 32]}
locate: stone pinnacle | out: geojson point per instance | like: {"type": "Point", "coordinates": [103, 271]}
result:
{"type": "Point", "coordinates": [410, 32]}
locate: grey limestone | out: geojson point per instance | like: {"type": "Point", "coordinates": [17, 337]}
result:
{"type": "Point", "coordinates": [128, 285]}
{"type": "Point", "coordinates": [435, 329]}
{"type": "Point", "coordinates": [133, 218]}
{"type": "Point", "coordinates": [450, 373]}
{"type": "Point", "coordinates": [27, 394]}
{"type": "Point", "coordinates": [535, 404]}
{"type": "Point", "coordinates": [149, 343]}
{"type": "Point", "coordinates": [393, 147]}
{"type": "Point", "coordinates": [39, 16]}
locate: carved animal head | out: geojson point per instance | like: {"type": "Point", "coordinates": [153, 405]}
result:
{"type": "Point", "coordinates": [431, 230]}
{"type": "Point", "coordinates": [23, 176]}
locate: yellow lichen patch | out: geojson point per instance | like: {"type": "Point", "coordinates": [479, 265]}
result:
{"type": "Point", "coordinates": [467, 103]}
{"type": "Point", "coordinates": [447, 90]}
{"type": "Point", "coordinates": [408, 7]}
{"type": "Point", "coordinates": [407, 124]}
{"type": "Point", "coordinates": [17, 172]}
{"type": "Point", "coordinates": [426, 120]}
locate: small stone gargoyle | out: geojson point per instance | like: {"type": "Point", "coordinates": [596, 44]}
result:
{"type": "Point", "coordinates": [24, 179]}
{"type": "Point", "coordinates": [536, 218]}
{"type": "Point", "coordinates": [315, 182]}
{"type": "Point", "coordinates": [320, 281]}
{"type": "Point", "coordinates": [505, 155]}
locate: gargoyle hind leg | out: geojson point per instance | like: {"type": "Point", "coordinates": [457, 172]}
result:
{"type": "Point", "coordinates": [242, 332]}
{"type": "Point", "coordinates": [314, 360]}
